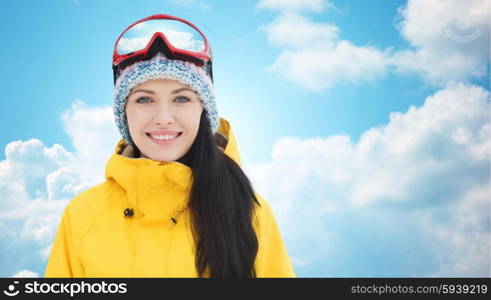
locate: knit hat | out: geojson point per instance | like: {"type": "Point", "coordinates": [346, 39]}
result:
{"type": "Point", "coordinates": [162, 67]}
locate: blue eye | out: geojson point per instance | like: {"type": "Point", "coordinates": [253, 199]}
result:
{"type": "Point", "coordinates": [185, 98]}
{"type": "Point", "coordinates": [138, 100]}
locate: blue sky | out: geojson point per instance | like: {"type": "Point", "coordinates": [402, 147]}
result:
{"type": "Point", "coordinates": [366, 118]}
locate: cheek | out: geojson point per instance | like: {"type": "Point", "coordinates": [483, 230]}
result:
{"type": "Point", "coordinates": [136, 118]}
{"type": "Point", "coordinates": [193, 120]}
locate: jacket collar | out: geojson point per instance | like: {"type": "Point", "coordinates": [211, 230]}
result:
{"type": "Point", "coordinates": [141, 177]}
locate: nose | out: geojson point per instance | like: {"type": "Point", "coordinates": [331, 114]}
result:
{"type": "Point", "coordinates": [164, 115]}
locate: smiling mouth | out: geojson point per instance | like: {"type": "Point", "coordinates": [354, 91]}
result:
{"type": "Point", "coordinates": [164, 137]}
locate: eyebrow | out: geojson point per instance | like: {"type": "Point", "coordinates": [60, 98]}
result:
{"type": "Point", "coordinates": [151, 92]}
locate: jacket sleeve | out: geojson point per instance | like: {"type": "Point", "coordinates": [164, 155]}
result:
{"type": "Point", "coordinates": [64, 260]}
{"type": "Point", "coordinates": [272, 259]}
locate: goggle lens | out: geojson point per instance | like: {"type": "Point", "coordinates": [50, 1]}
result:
{"type": "Point", "coordinates": [179, 34]}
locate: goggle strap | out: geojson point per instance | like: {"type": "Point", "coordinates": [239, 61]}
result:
{"type": "Point", "coordinates": [118, 68]}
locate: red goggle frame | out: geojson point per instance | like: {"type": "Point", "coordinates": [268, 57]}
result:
{"type": "Point", "coordinates": [176, 38]}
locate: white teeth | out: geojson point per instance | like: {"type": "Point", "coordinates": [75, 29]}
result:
{"type": "Point", "coordinates": [164, 137]}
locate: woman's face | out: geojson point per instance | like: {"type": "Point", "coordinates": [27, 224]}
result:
{"type": "Point", "coordinates": [163, 118]}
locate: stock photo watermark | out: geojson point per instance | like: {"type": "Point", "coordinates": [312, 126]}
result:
{"type": "Point", "coordinates": [463, 31]}
{"type": "Point", "coordinates": [66, 288]}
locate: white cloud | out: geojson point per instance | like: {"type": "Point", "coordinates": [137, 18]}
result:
{"type": "Point", "coordinates": [94, 135]}
{"type": "Point", "coordinates": [36, 181]}
{"type": "Point", "coordinates": [127, 45]}
{"type": "Point", "coordinates": [297, 32]}
{"type": "Point", "coordinates": [448, 40]}
{"type": "Point", "coordinates": [23, 171]}
{"type": "Point", "coordinates": [26, 274]}
{"type": "Point", "coordinates": [422, 179]}
{"type": "Point", "coordinates": [425, 138]}
{"type": "Point", "coordinates": [316, 58]}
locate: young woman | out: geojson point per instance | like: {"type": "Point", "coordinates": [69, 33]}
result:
{"type": "Point", "coordinates": [175, 202]}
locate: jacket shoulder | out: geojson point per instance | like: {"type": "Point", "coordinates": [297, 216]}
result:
{"type": "Point", "coordinates": [272, 257]}
{"type": "Point", "coordinates": [93, 200]}
{"type": "Point", "coordinates": [83, 209]}
{"type": "Point", "coordinates": [263, 210]}
{"type": "Point", "coordinates": [78, 217]}
{"type": "Point", "coordinates": [264, 217]}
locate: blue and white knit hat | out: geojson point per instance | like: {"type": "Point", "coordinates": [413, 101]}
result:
{"type": "Point", "coordinates": [162, 67]}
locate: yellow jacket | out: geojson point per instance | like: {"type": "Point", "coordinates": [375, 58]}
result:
{"type": "Point", "coordinates": [96, 239]}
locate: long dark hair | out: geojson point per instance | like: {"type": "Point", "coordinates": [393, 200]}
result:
{"type": "Point", "coordinates": [221, 204]}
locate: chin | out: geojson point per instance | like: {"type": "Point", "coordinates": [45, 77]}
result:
{"type": "Point", "coordinates": [162, 157]}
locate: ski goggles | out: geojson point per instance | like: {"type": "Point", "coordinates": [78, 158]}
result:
{"type": "Point", "coordinates": [176, 38]}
